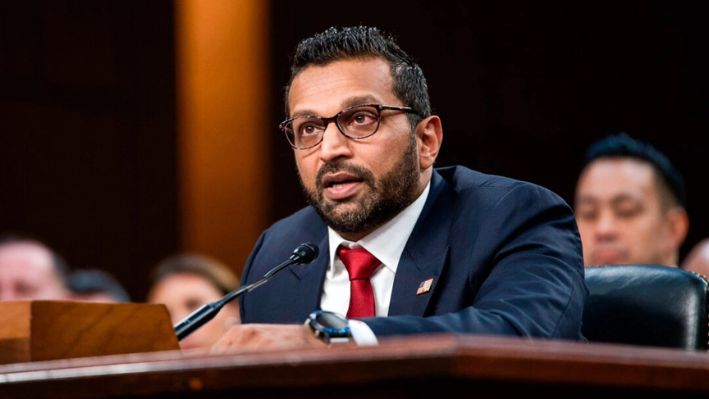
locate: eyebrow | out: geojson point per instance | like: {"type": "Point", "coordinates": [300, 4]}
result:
{"type": "Point", "coordinates": [587, 199]}
{"type": "Point", "coordinates": [347, 103]}
{"type": "Point", "coordinates": [624, 198]}
{"type": "Point", "coordinates": [359, 100]}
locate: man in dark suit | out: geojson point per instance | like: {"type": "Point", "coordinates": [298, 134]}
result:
{"type": "Point", "coordinates": [404, 248]}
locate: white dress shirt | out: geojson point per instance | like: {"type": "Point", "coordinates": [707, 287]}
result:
{"type": "Point", "coordinates": [386, 243]}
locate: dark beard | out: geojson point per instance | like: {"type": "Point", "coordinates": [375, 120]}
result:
{"type": "Point", "coordinates": [385, 199]}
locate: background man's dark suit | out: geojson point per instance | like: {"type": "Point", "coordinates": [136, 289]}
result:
{"type": "Point", "coordinates": [504, 255]}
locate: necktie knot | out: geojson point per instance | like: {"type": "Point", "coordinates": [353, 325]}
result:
{"type": "Point", "coordinates": [360, 265]}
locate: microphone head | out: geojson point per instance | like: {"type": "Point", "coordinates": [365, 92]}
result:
{"type": "Point", "coordinates": [305, 253]}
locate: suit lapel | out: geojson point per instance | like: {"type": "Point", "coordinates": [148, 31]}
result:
{"type": "Point", "coordinates": [424, 258]}
{"type": "Point", "coordinates": [310, 280]}
{"type": "Point", "coordinates": [425, 254]}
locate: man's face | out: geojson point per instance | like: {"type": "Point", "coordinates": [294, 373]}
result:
{"type": "Point", "coordinates": [356, 185]}
{"type": "Point", "coordinates": [620, 215]}
{"type": "Point", "coordinates": [27, 272]}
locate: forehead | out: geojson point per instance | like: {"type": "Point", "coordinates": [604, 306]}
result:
{"type": "Point", "coordinates": [608, 178]}
{"type": "Point", "coordinates": [27, 257]}
{"type": "Point", "coordinates": [326, 89]}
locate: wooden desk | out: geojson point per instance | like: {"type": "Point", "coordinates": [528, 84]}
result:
{"type": "Point", "coordinates": [423, 367]}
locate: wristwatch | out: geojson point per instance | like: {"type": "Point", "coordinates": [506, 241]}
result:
{"type": "Point", "coordinates": [329, 326]}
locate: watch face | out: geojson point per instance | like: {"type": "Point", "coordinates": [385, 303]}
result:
{"type": "Point", "coordinates": [331, 320]}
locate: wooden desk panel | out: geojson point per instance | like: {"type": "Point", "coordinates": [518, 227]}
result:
{"type": "Point", "coordinates": [409, 367]}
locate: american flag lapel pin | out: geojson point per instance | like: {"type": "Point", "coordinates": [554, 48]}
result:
{"type": "Point", "coordinates": [424, 287]}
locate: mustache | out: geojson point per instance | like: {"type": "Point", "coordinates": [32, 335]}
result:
{"type": "Point", "coordinates": [355, 170]}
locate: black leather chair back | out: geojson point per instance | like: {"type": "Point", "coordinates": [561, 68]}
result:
{"type": "Point", "coordinates": [646, 305]}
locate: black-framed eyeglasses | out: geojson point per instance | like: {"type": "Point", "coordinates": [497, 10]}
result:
{"type": "Point", "coordinates": [358, 122]}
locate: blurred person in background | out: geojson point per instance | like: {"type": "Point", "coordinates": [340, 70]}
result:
{"type": "Point", "coordinates": [93, 285]}
{"type": "Point", "coordinates": [629, 204]}
{"type": "Point", "coordinates": [186, 282]}
{"type": "Point", "coordinates": [30, 270]}
{"type": "Point", "coordinates": [698, 259]}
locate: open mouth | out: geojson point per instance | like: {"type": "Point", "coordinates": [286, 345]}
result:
{"type": "Point", "coordinates": [341, 185]}
{"type": "Point", "coordinates": [337, 179]}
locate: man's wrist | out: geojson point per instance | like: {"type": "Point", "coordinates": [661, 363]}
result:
{"type": "Point", "coordinates": [362, 335]}
{"type": "Point", "coordinates": [329, 326]}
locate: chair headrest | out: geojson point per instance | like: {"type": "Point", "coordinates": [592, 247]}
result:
{"type": "Point", "coordinates": [646, 305]}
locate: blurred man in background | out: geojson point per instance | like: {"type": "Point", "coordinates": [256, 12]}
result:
{"type": "Point", "coordinates": [30, 270]}
{"type": "Point", "coordinates": [630, 204]}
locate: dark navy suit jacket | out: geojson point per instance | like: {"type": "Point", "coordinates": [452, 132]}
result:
{"type": "Point", "coordinates": [504, 255]}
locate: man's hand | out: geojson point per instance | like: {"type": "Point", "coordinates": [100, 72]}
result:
{"type": "Point", "coordinates": [249, 337]}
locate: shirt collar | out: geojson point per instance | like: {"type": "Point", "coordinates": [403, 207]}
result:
{"type": "Point", "coordinates": [387, 242]}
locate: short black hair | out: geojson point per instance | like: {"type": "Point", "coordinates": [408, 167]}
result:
{"type": "Point", "coordinates": [623, 146]}
{"type": "Point", "coordinates": [94, 281]}
{"type": "Point", "coordinates": [336, 44]}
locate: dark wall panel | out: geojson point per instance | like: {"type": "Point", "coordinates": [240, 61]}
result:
{"type": "Point", "coordinates": [87, 121]}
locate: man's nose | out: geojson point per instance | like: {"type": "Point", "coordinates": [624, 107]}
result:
{"type": "Point", "coordinates": [334, 144]}
{"type": "Point", "coordinates": [606, 226]}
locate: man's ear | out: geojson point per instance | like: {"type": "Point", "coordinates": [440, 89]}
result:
{"type": "Point", "coordinates": [678, 225]}
{"type": "Point", "coordinates": [429, 136]}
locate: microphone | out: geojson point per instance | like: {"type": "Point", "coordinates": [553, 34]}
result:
{"type": "Point", "coordinates": [302, 254]}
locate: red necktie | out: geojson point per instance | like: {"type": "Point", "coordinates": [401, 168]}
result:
{"type": "Point", "coordinates": [360, 265]}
